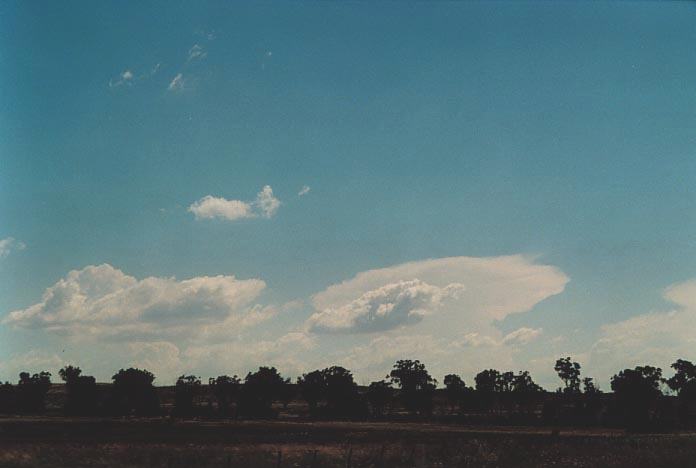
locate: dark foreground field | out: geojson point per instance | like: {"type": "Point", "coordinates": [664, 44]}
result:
{"type": "Point", "coordinates": [58, 442]}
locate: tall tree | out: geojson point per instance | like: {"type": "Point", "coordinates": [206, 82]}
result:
{"type": "Point", "coordinates": [379, 394]}
{"type": "Point", "coordinates": [312, 387]}
{"type": "Point", "coordinates": [416, 385]}
{"type": "Point", "coordinates": [185, 391]}
{"type": "Point", "coordinates": [259, 391]}
{"type": "Point", "coordinates": [225, 389]}
{"type": "Point", "coordinates": [32, 390]}
{"type": "Point", "coordinates": [82, 393]}
{"type": "Point", "coordinates": [569, 372]}
{"type": "Point", "coordinates": [636, 391]}
{"type": "Point", "coordinates": [133, 392]}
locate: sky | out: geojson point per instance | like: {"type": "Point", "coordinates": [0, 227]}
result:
{"type": "Point", "coordinates": [206, 187]}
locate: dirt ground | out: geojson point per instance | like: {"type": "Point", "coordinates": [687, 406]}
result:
{"type": "Point", "coordinates": [61, 442]}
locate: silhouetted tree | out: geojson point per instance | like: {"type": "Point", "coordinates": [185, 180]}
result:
{"type": "Point", "coordinates": [379, 394]}
{"type": "Point", "coordinates": [185, 391]}
{"type": "Point", "coordinates": [589, 387]}
{"type": "Point", "coordinates": [524, 390]}
{"type": "Point", "coordinates": [82, 393]}
{"type": "Point", "coordinates": [683, 382]}
{"type": "Point", "coordinates": [8, 398]}
{"type": "Point", "coordinates": [287, 393]}
{"type": "Point", "coordinates": [312, 387]}
{"type": "Point", "coordinates": [415, 384]}
{"type": "Point", "coordinates": [636, 391]}
{"type": "Point", "coordinates": [569, 372]}
{"type": "Point", "coordinates": [487, 384]}
{"type": "Point", "coordinates": [32, 390]}
{"type": "Point", "coordinates": [225, 389]}
{"type": "Point", "coordinates": [341, 391]}
{"type": "Point", "coordinates": [133, 393]}
{"type": "Point", "coordinates": [259, 391]}
{"type": "Point", "coordinates": [487, 381]}
{"type": "Point", "coordinates": [456, 390]}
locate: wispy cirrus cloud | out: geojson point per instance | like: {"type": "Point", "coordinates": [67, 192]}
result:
{"type": "Point", "coordinates": [177, 83]}
{"type": "Point", "coordinates": [196, 52]}
{"type": "Point", "coordinates": [209, 207]}
{"type": "Point", "coordinates": [128, 78]}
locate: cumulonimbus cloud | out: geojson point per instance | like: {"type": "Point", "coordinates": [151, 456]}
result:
{"type": "Point", "coordinates": [384, 308]}
{"type": "Point", "coordinates": [209, 207]}
{"type": "Point", "coordinates": [103, 301]}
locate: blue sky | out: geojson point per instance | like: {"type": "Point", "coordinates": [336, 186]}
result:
{"type": "Point", "coordinates": [558, 136]}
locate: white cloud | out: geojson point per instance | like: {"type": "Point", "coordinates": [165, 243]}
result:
{"type": "Point", "coordinates": [463, 324]}
{"type": "Point", "coordinates": [384, 308]}
{"type": "Point", "coordinates": [160, 357]}
{"type": "Point", "coordinates": [239, 357]}
{"type": "Point", "coordinates": [124, 78]}
{"type": "Point", "coordinates": [209, 207]}
{"type": "Point", "coordinates": [127, 77]}
{"type": "Point", "coordinates": [9, 245]}
{"type": "Point", "coordinates": [656, 338]}
{"type": "Point", "coordinates": [177, 83]}
{"type": "Point", "coordinates": [522, 336]}
{"type": "Point", "coordinates": [304, 190]}
{"type": "Point", "coordinates": [495, 287]}
{"type": "Point", "coordinates": [102, 301]}
{"type": "Point", "coordinates": [196, 52]}
{"type": "Point", "coordinates": [266, 203]}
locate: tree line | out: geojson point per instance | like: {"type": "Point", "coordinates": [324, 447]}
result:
{"type": "Point", "coordinates": [639, 397]}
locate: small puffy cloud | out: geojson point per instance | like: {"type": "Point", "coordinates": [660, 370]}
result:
{"type": "Point", "coordinates": [102, 301]}
{"type": "Point", "coordinates": [127, 77]}
{"type": "Point", "coordinates": [9, 245]}
{"type": "Point", "coordinates": [124, 78]}
{"type": "Point", "coordinates": [522, 336]}
{"type": "Point", "coordinates": [196, 52]}
{"type": "Point", "coordinates": [210, 207]}
{"type": "Point", "coordinates": [266, 203]}
{"type": "Point", "coordinates": [384, 308]}
{"type": "Point", "coordinates": [304, 190]}
{"type": "Point", "coordinates": [177, 83]}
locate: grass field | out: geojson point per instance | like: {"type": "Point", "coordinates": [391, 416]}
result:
{"type": "Point", "coordinates": [60, 442]}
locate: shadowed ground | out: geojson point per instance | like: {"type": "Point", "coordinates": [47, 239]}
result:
{"type": "Point", "coordinates": [59, 442]}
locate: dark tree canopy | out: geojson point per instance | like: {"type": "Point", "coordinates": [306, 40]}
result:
{"type": "Point", "coordinates": [312, 386]}
{"type": "Point", "coordinates": [379, 394]}
{"type": "Point", "coordinates": [683, 382]}
{"type": "Point", "coordinates": [82, 394]}
{"type": "Point", "coordinates": [415, 383]}
{"type": "Point", "coordinates": [185, 391]}
{"type": "Point", "coordinates": [569, 372]}
{"type": "Point", "coordinates": [636, 391]}
{"type": "Point", "coordinates": [487, 381]}
{"type": "Point", "coordinates": [259, 391]}
{"type": "Point", "coordinates": [32, 390]}
{"type": "Point", "coordinates": [225, 389]}
{"type": "Point", "coordinates": [134, 393]}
